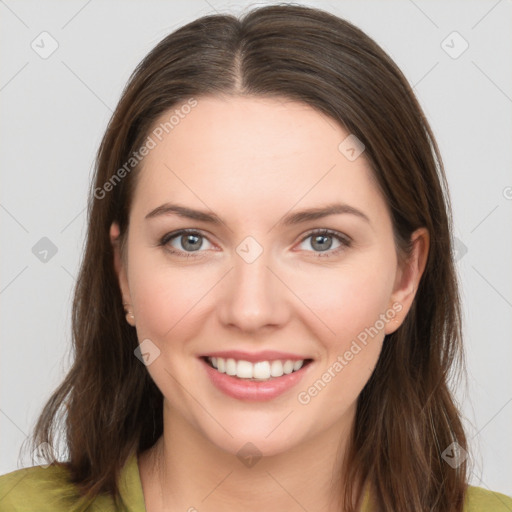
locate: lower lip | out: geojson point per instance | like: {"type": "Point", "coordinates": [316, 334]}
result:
{"type": "Point", "coordinates": [255, 391]}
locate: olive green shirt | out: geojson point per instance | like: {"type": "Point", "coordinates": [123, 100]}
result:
{"type": "Point", "coordinates": [46, 489]}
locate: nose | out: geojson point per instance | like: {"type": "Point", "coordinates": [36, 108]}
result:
{"type": "Point", "coordinates": [252, 296]}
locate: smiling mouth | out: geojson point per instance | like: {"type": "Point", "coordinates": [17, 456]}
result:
{"type": "Point", "coordinates": [259, 371]}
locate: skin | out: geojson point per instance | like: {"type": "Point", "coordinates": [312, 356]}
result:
{"type": "Point", "coordinates": [251, 161]}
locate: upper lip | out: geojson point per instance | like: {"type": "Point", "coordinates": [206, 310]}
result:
{"type": "Point", "coordinates": [253, 357]}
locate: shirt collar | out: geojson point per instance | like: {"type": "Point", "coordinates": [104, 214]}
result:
{"type": "Point", "coordinates": [130, 486]}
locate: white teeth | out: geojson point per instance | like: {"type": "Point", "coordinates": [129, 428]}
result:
{"type": "Point", "coordinates": [230, 367]}
{"type": "Point", "coordinates": [276, 369]}
{"type": "Point", "coordinates": [244, 370]}
{"type": "Point", "coordinates": [297, 365]}
{"type": "Point", "coordinates": [261, 370]}
{"type": "Point", "coordinates": [288, 367]}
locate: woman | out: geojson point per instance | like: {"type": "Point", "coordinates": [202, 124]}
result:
{"type": "Point", "coordinates": [267, 312]}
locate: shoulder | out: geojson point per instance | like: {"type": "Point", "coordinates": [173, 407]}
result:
{"type": "Point", "coordinates": [39, 488]}
{"type": "Point", "coordinates": [482, 500]}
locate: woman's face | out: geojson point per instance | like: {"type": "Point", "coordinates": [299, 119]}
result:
{"type": "Point", "coordinates": [252, 282]}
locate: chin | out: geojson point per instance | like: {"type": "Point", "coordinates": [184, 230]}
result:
{"type": "Point", "coordinates": [248, 446]}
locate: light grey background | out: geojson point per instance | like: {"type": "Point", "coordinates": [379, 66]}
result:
{"type": "Point", "coordinates": [55, 110]}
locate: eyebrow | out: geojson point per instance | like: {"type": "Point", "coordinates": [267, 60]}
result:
{"type": "Point", "coordinates": [288, 220]}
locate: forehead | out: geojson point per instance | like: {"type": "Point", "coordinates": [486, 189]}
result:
{"type": "Point", "coordinates": [240, 128]}
{"type": "Point", "coordinates": [251, 153]}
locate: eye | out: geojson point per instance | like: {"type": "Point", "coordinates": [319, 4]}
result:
{"type": "Point", "coordinates": [321, 239]}
{"type": "Point", "coordinates": [189, 240]}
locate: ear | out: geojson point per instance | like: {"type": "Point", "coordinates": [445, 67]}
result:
{"type": "Point", "coordinates": [119, 265]}
{"type": "Point", "coordinates": [408, 276]}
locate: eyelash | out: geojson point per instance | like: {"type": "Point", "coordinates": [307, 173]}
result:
{"type": "Point", "coordinates": [343, 239]}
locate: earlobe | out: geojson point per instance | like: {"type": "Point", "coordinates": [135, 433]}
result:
{"type": "Point", "coordinates": [408, 277]}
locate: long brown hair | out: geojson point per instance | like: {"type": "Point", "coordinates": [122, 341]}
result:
{"type": "Point", "coordinates": [406, 415]}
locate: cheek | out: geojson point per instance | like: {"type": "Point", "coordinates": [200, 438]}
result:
{"type": "Point", "coordinates": [353, 311]}
{"type": "Point", "coordinates": [163, 295]}
{"type": "Point", "coordinates": [350, 298]}
{"type": "Point", "coordinates": [352, 302]}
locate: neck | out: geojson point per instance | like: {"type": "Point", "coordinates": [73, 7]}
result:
{"type": "Point", "coordinates": [186, 471]}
